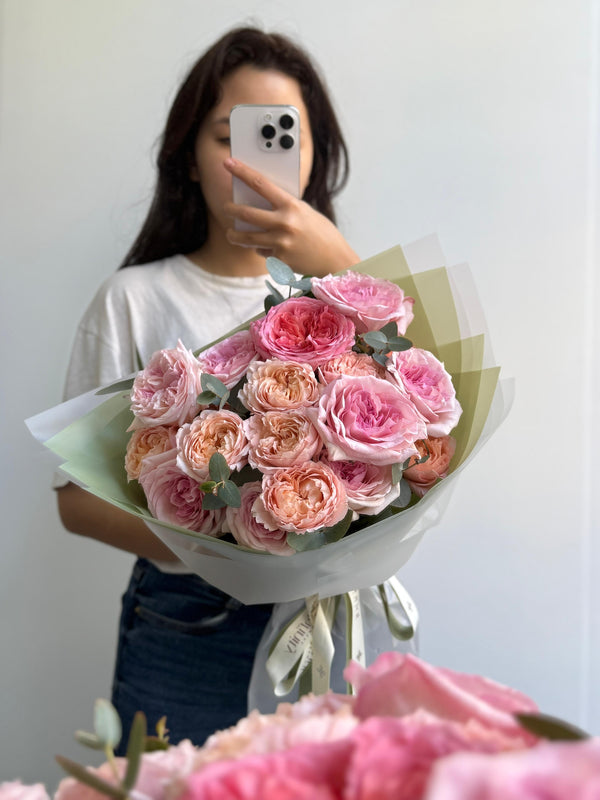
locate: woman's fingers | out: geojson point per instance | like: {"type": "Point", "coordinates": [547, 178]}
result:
{"type": "Point", "coordinates": [258, 217]}
{"type": "Point", "coordinates": [256, 181]}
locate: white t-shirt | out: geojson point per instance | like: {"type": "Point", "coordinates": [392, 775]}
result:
{"type": "Point", "coordinates": [149, 307]}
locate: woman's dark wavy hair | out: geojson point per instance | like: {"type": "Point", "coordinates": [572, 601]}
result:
{"type": "Point", "coordinates": [177, 219]}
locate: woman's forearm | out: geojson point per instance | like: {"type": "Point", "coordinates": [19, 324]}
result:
{"type": "Point", "coordinates": [88, 515]}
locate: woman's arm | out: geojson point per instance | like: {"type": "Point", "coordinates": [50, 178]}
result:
{"type": "Point", "coordinates": [88, 515]}
{"type": "Point", "coordinates": [293, 231]}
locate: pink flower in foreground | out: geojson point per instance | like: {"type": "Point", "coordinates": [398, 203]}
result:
{"type": "Point", "coordinates": [213, 431]}
{"type": "Point", "coordinates": [157, 772]}
{"type": "Point", "coordinates": [165, 392]}
{"type": "Point", "coordinates": [301, 499]}
{"type": "Point", "coordinates": [303, 329]}
{"type": "Point", "coordinates": [15, 790]}
{"type": "Point", "coordinates": [420, 374]}
{"type": "Point", "coordinates": [552, 771]}
{"type": "Point", "coordinates": [306, 772]}
{"type": "Point", "coordinates": [276, 385]}
{"type": "Point", "coordinates": [228, 360]}
{"type": "Point", "coordinates": [367, 419]}
{"type": "Point", "coordinates": [393, 758]}
{"type": "Point", "coordinates": [176, 498]}
{"type": "Point", "coordinates": [396, 685]}
{"type": "Point", "coordinates": [369, 487]}
{"type": "Point", "coordinates": [248, 532]}
{"type": "Point", "coordinates": [147, 442]}
{"type": "Point", "coordinates": [421, 477]}
{"type": "Point", "coordinates": [280, 439]}
{"type": "Point", "coordinates": [370, 302]}
{"type": "Point", "coordinates": [350, 363]}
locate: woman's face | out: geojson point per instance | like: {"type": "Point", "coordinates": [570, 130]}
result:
{"type": "Point", "coordinates": [247, 84]}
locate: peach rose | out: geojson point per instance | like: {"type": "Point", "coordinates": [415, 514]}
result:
{"type": "Point", "coordinates": [421, 477]}
{"type": "Point", "coordinates": [248, 532]}
{"type": "Point", "coordinates": [175, 497]}
{"type": "Point", "coordinates": [212, 431]}
{"type": "Point", "coordinates": [420, 374]}
{"type": "Point", "coordinates": [165, 391]}
{"type": "Point", "coordinates": [228, 360]}
{"type": "Point", "coordinates": [301, 499]}
{"type": "Point", "coordinates": [369, 487]}
{"type": "Point", "coordinates": [370, 302]}
{"type": "Point", "coordinates": [279, 385]}
{"type": "Point", "coordinates": [147, 442]}
{"type": "Point", "coordinates": [303, 329]}
{"type": "Point", "coordinates": [350, 363]}
{"type": "Point", "coordinates": [280, 439]}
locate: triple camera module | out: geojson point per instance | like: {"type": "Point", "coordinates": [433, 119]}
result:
{"type": "Point", "coordinates": [270, 133]}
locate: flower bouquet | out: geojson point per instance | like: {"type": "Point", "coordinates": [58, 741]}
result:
{"type": "Point", "coordinates": [411, 732]}
{"type": "Point", "coordinates": [302, 455]}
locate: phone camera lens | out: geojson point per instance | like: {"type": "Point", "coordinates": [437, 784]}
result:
{"type": "Point", "coordinates": [268, 131]}
{"type": "Point", "coordinates": [286, 141]}
{"type": "Point", "coordinates": [286, 122]}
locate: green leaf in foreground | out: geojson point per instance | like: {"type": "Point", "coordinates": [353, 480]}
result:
{"type": "Point", "coordinates": [84, 776]}
{"type": "Point", "coordinates": [212, 384]}
{"type": "Point", "coordinates": [89, 740]}
{"type": "Point", "coordinates": [552, 728]}
{"type": "Point", "coordinates": [375, 339]}
{"type": "Point", "coordinates": [399, 343]}
{"type": "Point", "coordinates": [210, 502]}
{"type": "Point", "coordinates": [403, 498]}
{"type": "Point", "coordinates": [135, 748]}
{"type": "Point", "coordinates": [312, 541]}
{"type": "Point", "coordinates": [218, 467]}
{"type": "Point", "coordinates": [280, 272]}
{"type": "Point", "coordinates": [229, 493]}
{"type": "Point", "coordinates": [107, 724]}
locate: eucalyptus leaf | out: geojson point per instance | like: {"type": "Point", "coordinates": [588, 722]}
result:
{"type": "Point", "coordinates": [206, 398]}
{"type": "Point", "coordinates": [135, 748]}
{"type": "Point", "coordinates": [404, 497]}
{"type": "Point", "coordinates": [380, 358]}
{"type": "Point", "coordinates": [399, 343]}
{"type": "Point", "coordinates": [312, 541]}
{"type": "Point", "coordinates": [390, 329]}
{"type": "Point", "coordinates": [280, 272]}
{"type": "Point", "coordinates": [270, 302]}
{"type": "Point", "coordinates": [230, 494]}
{"type": "Point", "coordinates": [210, 383]}
{"type": "Point", "coordinates": [107, 724]}
{"type": "Point", "coordinates": [375, 339]}
{"type": "Point", "coordinates": [397, 470]}
{"type": "Point", "coordinates": [119, 386]}
{"type": "Point", "coordinates": [210, 502]}
{"type": "Point", "coordinates": [89, 740]}
{"type": "Point", "coordinates": [207, 486]}
{"type": "Point", "coordinates": [83, 775]}
{"type": "Point", "coordinates": [218, 467]}
{"type": "Point", "coordinates": [552, 728]}
{"type": "Point", "coordinates": [303, 285]}
{"type": "Point", "coordinates": [279, 298]}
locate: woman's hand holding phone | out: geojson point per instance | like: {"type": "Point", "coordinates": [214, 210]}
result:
{"type": "Point", "coordinates": [291, 230]}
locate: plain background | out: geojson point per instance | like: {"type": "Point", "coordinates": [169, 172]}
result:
{"type": "Point", "coordinates": [476, 120]}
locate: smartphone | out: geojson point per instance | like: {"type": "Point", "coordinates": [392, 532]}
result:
{"type": "Point", "coordinates": [266, 138]}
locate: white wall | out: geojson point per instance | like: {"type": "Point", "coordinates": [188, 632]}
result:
{"type": "Point", "coordinates": [477, 120]}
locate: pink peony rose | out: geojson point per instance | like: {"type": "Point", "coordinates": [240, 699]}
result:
{"type": "Point", "coordinates": [248, 532]}
{"type": "Point", "coordinates": [369, 487]}
{"type": "Point", "coordinates": [158, 772]}
{"type": "Point", "coordinates": [212, 431]}
{"type": "Point", "coordinates": [279, 386]}
{"type": "Point", "coordinates": [147, 442]}
{"type": "Point", "coordinates": [550, 771]}
{"type": "Point", "coordinates": [350, 363]}
{"type": "Point", "coordinates": [370, 302]}
{"type": "Point", "coordinates": [306, 772]}
{"type": "Point", "coordinates": [393, 758]}
{"type": "Point", "coordinates": [303, 329]}
{"type": "Point", "coordinates": [367, 419]}
{"type": "Point", "coordinates": [421, 477]}
{"type": "Point", "coordinates": [420, 374]}
{"type": "Point", "coordinates": [228, 360]}
{"type": "Point", "coordinates": [15, 790]}
{"type": "Point", "coordinates": [396, 685]}
{"type": "Point", "coordinates": [280, 439]}
{"type": "Point", "coordinates": [176, 498]}
{"type": "Point", "coordinates": [165, 392]}
{"type": "Point", "coordinates": [301, 499]}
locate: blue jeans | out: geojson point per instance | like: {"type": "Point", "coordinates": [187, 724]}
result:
{"type": "Point", "coordinates": [185, 650]}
